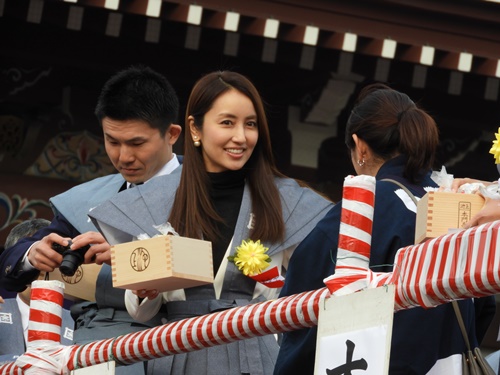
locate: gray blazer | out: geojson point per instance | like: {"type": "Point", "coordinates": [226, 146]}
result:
{"type": "Point", "coordinates": [136, 211]}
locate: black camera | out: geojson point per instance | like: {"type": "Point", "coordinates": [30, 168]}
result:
{"type": "Point", "coordinates": [72, 259]}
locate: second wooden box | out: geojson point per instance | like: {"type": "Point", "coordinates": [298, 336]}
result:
{"type": "Point", "coordinates": [439, 212]}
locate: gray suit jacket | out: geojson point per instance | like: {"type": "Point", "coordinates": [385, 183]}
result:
{"type": "Point", "coordinates": [75, 203]}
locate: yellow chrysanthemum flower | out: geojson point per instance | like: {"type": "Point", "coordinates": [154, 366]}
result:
{"type": "Point", "coordinates": [495, 149]}
{"type": "Point", "coordinates": [251, 257]}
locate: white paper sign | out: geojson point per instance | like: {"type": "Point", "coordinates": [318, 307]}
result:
{"type": "Point", "coordinates": [107, 368]}
{"type": "Point", "coordinates": [354, 333]}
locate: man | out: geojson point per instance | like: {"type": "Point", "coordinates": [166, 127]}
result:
{"type": "Point", "coordinates": [14, 313]}
{"type": "Point", "coordinates": [137, 109]}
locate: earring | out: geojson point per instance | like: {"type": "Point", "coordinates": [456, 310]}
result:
{"type": "Point", "coordinates": [196, 142]}
{"type": "Point", "coordinates": [361, 162]}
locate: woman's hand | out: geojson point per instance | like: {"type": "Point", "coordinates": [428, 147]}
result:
{"type": "Point", "coordinates": [457, 182]}
{"type": "Point", "coordinates": [146, 293]}
{"type": "Point", "coordinates": [489, 212]}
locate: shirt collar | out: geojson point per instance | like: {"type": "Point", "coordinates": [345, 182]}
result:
{"type": "Point", "coordinates": [166, 169]}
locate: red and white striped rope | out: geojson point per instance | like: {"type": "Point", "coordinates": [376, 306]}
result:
{"type": "Point", "coordinates": [281, 315]}
{"type": "Point", "coordinates": [450, 267]}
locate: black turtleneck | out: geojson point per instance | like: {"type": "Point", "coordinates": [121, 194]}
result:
{"type": "Point", "coordinates": [226, 194]}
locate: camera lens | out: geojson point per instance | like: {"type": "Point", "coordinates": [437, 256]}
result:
{"type": "Point", "coordinates": [72, 259]}
{"type": "Point", "coordinates": [70, 263]}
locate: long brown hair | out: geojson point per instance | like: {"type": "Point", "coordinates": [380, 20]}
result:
{"type": "Point", "coordinates": [193, 214]}
{"type": "Point", "coordinates": [392, 124]}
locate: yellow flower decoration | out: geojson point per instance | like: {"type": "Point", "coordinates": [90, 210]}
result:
{"type": "Point", "coordinates": [495, 149]}
{"type": "Point", "coordinates": [250, 257]}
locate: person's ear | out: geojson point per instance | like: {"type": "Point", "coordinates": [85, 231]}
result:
{"type": "Point", "coordinates": [174, 131]}
{"type": "Point", "coordinates": [195, 135]}
{"type": "Point", "coordinates": [361, 147]}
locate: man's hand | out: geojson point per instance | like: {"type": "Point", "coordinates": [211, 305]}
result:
{"type": "Point", "coordinates": [43, 257]}
{"type": "Point", "coordinates": [99, 251]}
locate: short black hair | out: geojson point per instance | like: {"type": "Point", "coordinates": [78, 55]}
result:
{"type": "Point", "coordinates": [139, 93]}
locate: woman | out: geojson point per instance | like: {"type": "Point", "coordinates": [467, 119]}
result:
{"type": "Point", "coordinates": [388, 137]}
{"type": "Point", "coordinates": [228, 190]}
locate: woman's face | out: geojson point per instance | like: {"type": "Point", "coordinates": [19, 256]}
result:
{"type": "Point", "coordinates": [229, 133]}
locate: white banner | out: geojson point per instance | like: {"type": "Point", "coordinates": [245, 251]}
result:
{"type": "Point", "coordinates": [354, 333]}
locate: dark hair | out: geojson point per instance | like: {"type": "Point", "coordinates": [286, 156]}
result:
{"type": "Point", "coordinates": [139, 93]}
{"type": "Point", "coordinates": [392, 124]}
{"type": "Point", "coordinates": [25, 229]}
{"type": "Point", "coordinates": [193, 213]}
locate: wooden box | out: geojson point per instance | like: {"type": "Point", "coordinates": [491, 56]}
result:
{"type": "Point", "coordinates": [164, 263]}
{"type": "Point", "coordinates": [80, 286]}
{"type": "Point", "coordinates": [439, 212]}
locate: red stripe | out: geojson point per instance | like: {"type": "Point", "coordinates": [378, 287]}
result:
{"type": "Point", "coordinates": [50, 295]}
{"type": "Point", "coordinates": [359, 194]}
{"type": "Point", "coordinates": [284, 320]}
{"type": "Point", "coordinates": [305, 311]}
{"type": "Point", "coordinates": [219, 331]}
{"type": "Point", "coordinates": [452, 266]}
{"type": "Point", "coordinates": [230, 329]}
{"type": "Point", "coordinates": [410, 271]}
{"type": "Point", "coordinates": [129, 346]}
{"type": "Point", "coordinates": [143, 346]}
{"type": "Point", "coordinates": [441, 271]}
{"type": "Point", "coordinates": [101, 348]}
{"type": "Point", "coordinates": [161, 347]}
{"type": "Point", "coordinates": [479, 264]}
{"type": "Point", "coordinates": [429, 289]}
{"type": "Point", "coordinates": [43, 335]}
{"type": "Point", "coordinates": [398, 272]}
{"type": "Point", "coordinates": [337, 283]}
{"type": "Point", "coordinates": [222, 334]}
{"type": "Point", "coordinates": [490, 274]}
{"type": "Point", "coordinates": [149, 342]}
{"type": "Point", "coordinates": [140, 346]}
{"type": "Point", "coordinates": [201, 338]}
{"type": "Point", "coordinates": [250, 322]}
{"type": "Point", "coordinates": [467, 277]}
{"type": "Point", "coordinates": [262, 321]}
{"type": "Point", "coordinates": [356, 220]}
{"type": "Point", "coordinates": [190, 336]}
{"type": "Point", "coordinates": [46, 317]}
{"type": "Point", "coordinates": [354, 244]}
{"type": "Point", "coordinates": [178, 336]}
{"type": "Point", "coordinates": [418, 269]}
{"type": "Point", "coordinates": [293, 312]}
{"type": "Point", "coordinates": [88, 356]}
{"type": "Point", "coordinates": [274, 316]}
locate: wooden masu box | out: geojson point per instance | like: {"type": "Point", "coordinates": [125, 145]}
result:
{"type": "Point", "coordinates": [164, 263]}
{"type": "Point", "coordinates": [80, 286]}
{"type": "Point", "coordinates": [439, 212]}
